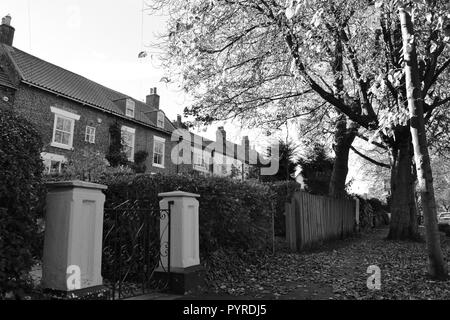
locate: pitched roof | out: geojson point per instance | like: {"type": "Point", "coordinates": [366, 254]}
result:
{"type": "Point", "coordinates": [48, 76]}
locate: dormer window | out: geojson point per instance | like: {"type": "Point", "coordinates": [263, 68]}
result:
{"type": "Point", "coordinates": [160, 120]}
{"type": "Point", "coordinates": [130, 107]}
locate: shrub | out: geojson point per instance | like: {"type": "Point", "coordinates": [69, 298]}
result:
{"type": "Point", "coordinates": [233, 214]}
{"type": "Point", "coordinates": [116, 155]}
{"type": "Point", "coordinates": [283, 193]}
{"type": "Point", "coordinates": [139, 161]}
{"type": "Point", "coordinates": [86, 164]}
{"type": "Point", "coordinates": [372, 213]}
{"type": "Point", "coordinates": [20, 188]}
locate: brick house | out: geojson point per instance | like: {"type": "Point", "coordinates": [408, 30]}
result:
{"type": "Point", "coordinates": [220, 157]}
{"type": "Point", "coordinates": [74, 114]}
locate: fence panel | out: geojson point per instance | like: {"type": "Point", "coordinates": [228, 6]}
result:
{"type": "Point", "coordinates": [312, 219]}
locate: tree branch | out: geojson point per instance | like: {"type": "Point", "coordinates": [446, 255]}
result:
{"type": "Point", "coordinates": [370, 159]}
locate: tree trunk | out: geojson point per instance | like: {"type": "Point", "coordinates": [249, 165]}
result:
{"type": "Point", "coordinates": [403, 224]}
{"type": "Point", "coordinates": [436, 263]}
{"type": "Point", "coordinates": [343, 141]}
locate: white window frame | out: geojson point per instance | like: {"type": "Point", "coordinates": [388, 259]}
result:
{"type": "Point", "coordinates": [66, 115]}
{"type": "Point", "coordinates": [133, 133]}
{"type": "Point", "coordinates": [89, 135]}
{"type": "Point", "coordinates": [204, 166]}
{"type": "Point", "coordinates": [160, 118]}
{"type": "Point", "coordinates": [49, 157]}
{"type": "Point", "coordinates": [130, 105]}
{"type": "Point", "coordinates": [163, 141]}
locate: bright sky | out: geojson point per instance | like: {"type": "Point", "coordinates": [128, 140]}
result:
{"type": "Point", "coordinates": [96, 39]}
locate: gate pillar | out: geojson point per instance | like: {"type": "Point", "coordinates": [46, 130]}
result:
{"type": "Point", "coordinates": [73, 240]}
{"type": "Point", "coordinates": [181, 233]}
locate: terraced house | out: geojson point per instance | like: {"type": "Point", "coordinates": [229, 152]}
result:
{"type": "Point", "coordinates": [73, 114]}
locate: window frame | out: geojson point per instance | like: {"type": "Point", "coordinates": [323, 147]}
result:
{"type": "Point", "coordinates": [160, 117]}
{"type": "Point", "coordinates": [65, 115]}
{"type": "Point", "coordinates": [163, 142]}
{"type": "Point", "coordinates": [131, 131]}
{"type": "Point", "coordinates": [92, 134]}
{"type": "Point", "coordinates": [130, 105]}
{"type": "Point", "coordinates": [204, 166]}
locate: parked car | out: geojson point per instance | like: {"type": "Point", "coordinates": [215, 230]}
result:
{"type": "Point", "coordinates": [444, 222]}
{"type": "Point", "coordinates": [444, 218]}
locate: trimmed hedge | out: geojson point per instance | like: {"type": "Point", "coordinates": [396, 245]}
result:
{"type": "Point", "coordinates": [233, 214]}
{"type": "Point", "coordinates": [283, 193]}
{"type": "Point", "coordinates": [20, 189]}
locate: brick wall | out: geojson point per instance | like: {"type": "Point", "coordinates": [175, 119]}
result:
{"type": "Point", "coordinates": [6, 97]}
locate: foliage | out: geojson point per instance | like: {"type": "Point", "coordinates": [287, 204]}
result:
{"type": "Point", "coordinates": [116, 155]}
{"type": "Point", "coordinates": [372, 213]}
{"type": "Point", "coordinates": [283, 191]}
{"type": "Point", "coordinates": [286, 163]}
{"type": "Point", "coordinates": [233, 214]}
{"type": "Point", "coordinates": [315, 60]}
{"type": "Point", "coordinates": [316, 169]}
{"type": "Point", "coordinates": [337, 272]}
{"type": "Point", "coordinates": [85, 164]}
{"type": "Point", "coordinates": [441, 175]}
{"type": "Point", "coordinates": [139, 161]}
{"type": "Point", "coordinates": [20, 188]}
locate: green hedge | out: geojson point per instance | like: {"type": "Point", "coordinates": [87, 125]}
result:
{"type": "Point", "coordinates": [20, 188]}
{"type": "Point", "coordinates": [283, 193]}
{"type": "Point", "coordinates": [233, 214]}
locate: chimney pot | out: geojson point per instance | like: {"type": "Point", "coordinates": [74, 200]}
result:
{"type": "Point", "coordinates": [6, 31]}
{"type": "Point", "coordinates": [6, 20]}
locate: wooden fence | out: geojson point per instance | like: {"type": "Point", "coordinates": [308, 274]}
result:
{"type": "Point", "coordinates": [312, 219]}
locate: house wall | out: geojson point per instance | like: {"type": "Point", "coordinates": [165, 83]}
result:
{"type": "Point", "coordinates": [6, 97]}
{"type": "Point", "coordinates": [34, 104]}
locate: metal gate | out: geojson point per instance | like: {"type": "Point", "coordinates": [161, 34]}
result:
{"type": "Point", "coordinates": [133, 249]}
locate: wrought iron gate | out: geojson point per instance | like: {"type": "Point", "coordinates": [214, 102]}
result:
{"type": "Point", "coordinates": [134, 250]}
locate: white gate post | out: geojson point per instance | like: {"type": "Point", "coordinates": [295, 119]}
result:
{"type": "Point", "coordinates": [73, 240]}
{"type": "Point", "coordinates": [184, 270]}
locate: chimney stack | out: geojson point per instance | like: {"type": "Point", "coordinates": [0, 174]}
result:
{"type": "Point", "coordinates": [246, 145]}
{"type": "Point", "coordinates": [6, 31]}
{"type": "Point", "coordinates": [221, 139]}
{"type": "Point", "coordinates": [153, 98]}
{"type": "Point", "coordinates": [179, 122]}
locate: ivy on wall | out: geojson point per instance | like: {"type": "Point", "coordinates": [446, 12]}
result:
{"type": "Point", "coordinates": [116, 155]}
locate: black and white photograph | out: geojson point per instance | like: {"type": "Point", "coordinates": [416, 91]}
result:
{"type": "Point", "coordinates": [224, 157]}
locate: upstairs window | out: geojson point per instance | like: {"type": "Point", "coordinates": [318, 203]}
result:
{"type": "Point", "coordinates": [200, 160]}
{"type": "Point", "coordinates": [128, 138]}
{"type": "Point", "coordinates": [63, 128]}
{"type": "Point", "coordinates": [160, 120]}
{"type": "Point", "coordinates": [158, 152]}
{"type": "Point", "coordinates": [90, 135]}
{"type": "Point", "coordinates": [130, 107]}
